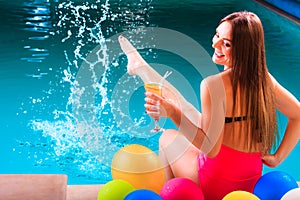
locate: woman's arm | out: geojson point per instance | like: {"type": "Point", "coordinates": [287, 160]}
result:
{"type": "Point", "coordinates": [288, 105]}
{"type": "Point", "coordinates": [209, 133]}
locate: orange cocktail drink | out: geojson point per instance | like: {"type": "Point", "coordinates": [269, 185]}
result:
{"type": "Point", "coordinates": [155, 88]}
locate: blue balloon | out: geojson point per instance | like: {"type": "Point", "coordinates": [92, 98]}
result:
{"type": "Point", "coordinates": [142, 194]}
{"type": "Point", "coordinates": [273, 185]}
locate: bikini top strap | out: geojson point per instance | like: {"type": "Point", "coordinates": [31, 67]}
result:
{"type": "Point", "coordinates": [235, 119]}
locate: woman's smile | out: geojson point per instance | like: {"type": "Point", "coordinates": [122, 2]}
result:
{"type": "Point", "coordinates": [219, 55]}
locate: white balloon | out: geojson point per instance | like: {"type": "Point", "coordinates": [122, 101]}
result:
{"type": "Point", "coordinates": [293, 194]}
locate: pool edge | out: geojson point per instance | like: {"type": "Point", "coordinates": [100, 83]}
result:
{"type": "Point", "coordinates": [278, 11]}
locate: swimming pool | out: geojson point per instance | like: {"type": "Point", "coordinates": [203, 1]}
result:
{"type": "Point", "coordinates": [50, 125]}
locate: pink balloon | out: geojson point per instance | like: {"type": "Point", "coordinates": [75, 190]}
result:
{"type": "Point", "coordinates": [181, 188]}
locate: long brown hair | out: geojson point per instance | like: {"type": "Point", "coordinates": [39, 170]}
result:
{"type": "Point", "coordinates": [250, 76]}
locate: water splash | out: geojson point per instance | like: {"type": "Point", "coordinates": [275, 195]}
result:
{"type": "Point", "coordinates": [85, 132]}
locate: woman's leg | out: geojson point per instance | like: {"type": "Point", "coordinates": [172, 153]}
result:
{"type": "Point", "coordinates": [179, 156]}
{"type": "Point", "coordinates": [138, 66]}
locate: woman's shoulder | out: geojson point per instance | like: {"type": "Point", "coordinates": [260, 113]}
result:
{"type": "Point", "coordinates": [273, 80]}
{"type": "Point", "coordinates": [215, 84]}
{"type": "Point", "coordinates": [219, 78]}
{"type": "Point", "coordinates": [212, 78]}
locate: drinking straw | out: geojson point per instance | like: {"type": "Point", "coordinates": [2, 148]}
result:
{"type": "Point", "coordinates": [168, 73]}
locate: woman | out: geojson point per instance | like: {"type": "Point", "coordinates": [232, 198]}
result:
{"type": "Point", "coordinates": [223, 149]}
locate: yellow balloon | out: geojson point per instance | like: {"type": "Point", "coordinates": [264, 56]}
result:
{"type": "Point", "coordinates": [139, 166]}
{"type": "Point", "coordinates": [240, 195]}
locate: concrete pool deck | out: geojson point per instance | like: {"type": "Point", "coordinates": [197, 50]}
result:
{"type": "Point", "coordinates": [46, 187]}
{"type": "Point", "coordinates": [82, 192]}
{"type": "Point", "coordinates": [86, 192]}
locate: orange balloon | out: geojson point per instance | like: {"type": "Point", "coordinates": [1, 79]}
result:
{"type": "Point", "coordinates": [139, 166]}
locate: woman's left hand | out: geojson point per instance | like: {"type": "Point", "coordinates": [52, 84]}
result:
{"type": "Point", "coordinates": [270, 160]}
{"type": "Point", "coordinates": [157, 106]}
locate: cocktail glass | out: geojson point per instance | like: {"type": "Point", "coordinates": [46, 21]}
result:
{"type": "Point", "coordinates": [156, 89]}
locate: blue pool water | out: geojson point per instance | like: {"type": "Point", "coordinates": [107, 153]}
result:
{"type": "Point", "coordinates": [67, 104]}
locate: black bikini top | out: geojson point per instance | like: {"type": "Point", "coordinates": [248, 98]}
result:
{"type": "Point", "coordinates": [235, 119]}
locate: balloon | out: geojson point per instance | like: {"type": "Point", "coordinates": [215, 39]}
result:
{"type": "Point", "coordinates": [181, 188]}
{"type": "Point", "coordinates": [140, 166]}
{"type": "Point", "coordinates": [293, 194]}
{"type": "Point", "coordinates": [240, 195]}
{"type": "Point", "coordinates": [115, 189]}
{"type": "Point", "coordinates": [143, 194]}
{"type": "Point", "coordinates": [273, 185]}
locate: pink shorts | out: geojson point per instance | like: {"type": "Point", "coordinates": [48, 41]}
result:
{"type": "Point", "coordinates": [230, 170]}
